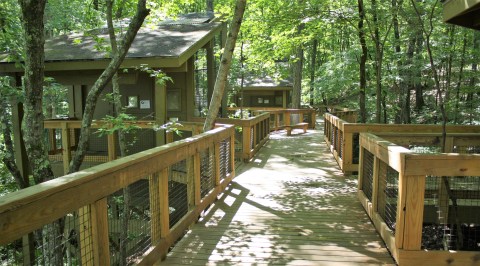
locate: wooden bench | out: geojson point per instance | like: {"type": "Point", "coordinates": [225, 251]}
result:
{"type": "Point", "coordinates": [302, 125]}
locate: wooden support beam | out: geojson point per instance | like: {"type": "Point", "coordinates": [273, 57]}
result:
{"type": "Point", "coordinates": [247, 140]}
{"type": "Point", "coordinates": [66, 148]}
{"type": "Point", "coordinates": [99, 225]}
{"type": "Point", "coordinates": [163, 200]}
{"type": "Point", "coordinates": [414, 206]}
{"type": "Point", "coordinates": [160, 94]}
{"type": "Point", "coordinates": [155, 217]}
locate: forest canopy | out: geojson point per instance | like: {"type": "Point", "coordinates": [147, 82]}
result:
{"type": "Point", "coordinates": [395, 61]}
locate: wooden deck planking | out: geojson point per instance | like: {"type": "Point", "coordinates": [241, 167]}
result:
{"type": "Point", "coordinates": [290, 206]}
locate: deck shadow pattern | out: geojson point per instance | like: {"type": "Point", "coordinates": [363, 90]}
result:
{"type": "Point", "coordinates": [290, 206]}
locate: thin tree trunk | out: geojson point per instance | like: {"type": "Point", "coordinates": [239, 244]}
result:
{"type": "Point", "coordinates": [297, 73]}
{"type": "Point", "coordinates": [210, 5]}
{"type": "Point", "coordinates": [225, 64]}
{"type": "Point", "coordinates": [121, 138]}
{"type": "Point", "coordinates": [363, 60]}
{"type": "Point", "coordinates": [312, 71]}
{"type": "Point", "coordinates": [460, 79]}
{"type": "Point", "coordinates": [103, 80]}
{"type": "Point", "coordinates": [470, 101]}
{"type": "Point", "coordinates": [378, 64]}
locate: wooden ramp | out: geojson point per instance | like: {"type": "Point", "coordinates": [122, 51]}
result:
{"type": "Point", "coordinates": [290, 206]}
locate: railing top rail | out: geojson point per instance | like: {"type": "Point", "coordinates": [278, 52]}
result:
{"type": "Point", "coordinates": [250, 121]}
{"type": "Point", "coordinates": [26, 210]}
{"type": "Point", "coordinates": [411, 163]}
{"type": "Point", "coordinates": [69, 123]}
{"type": "Point", "coordinates": [404, 128]}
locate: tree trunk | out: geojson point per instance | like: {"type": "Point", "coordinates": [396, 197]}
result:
{"type": "Point", "coordinates": [103, 80]}
{"type": "Point", "coordinates": [378, 64]}
{"type": "Point", "coordinates": [470, 101]}
{"type": "Point", "coordinates": [363, 60]}
{"type": "Point", "coordinates": [209, 5]}
{"type": "Point", "coordinates": [460, 79]}
{"type": "Point", "coordinates": [32, 20]}
{"type": "Point", "coordinates": [225, 64]}
{"type": "Point", "coordinates": [312, 71]}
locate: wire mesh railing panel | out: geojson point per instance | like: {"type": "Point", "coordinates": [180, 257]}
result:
{"type": "Point", "coordinates": [334, 138]}
{"type": "Point", "coordinates": [425, 149]}
{"type": "Point", "coordinates": [225, 166]}
{"type": "Point", "coordinates": [207, 172]}
{"type": "Point", "coordinates": [452, 213]}
{"type": "Point", "coordinates": [139, 140]}
{"type": "Point", "coordinates": [356, 148]}
{"type": "Point", "coordinates": [177, 191]}
{"type": "Point", "coordinates": [367, 174]}
{"type": "Point", "coordinates": [467, 149]}
{"type": "Point", "coordinates": [129, 223]}
{"type": "Point", "coordinates": [252, 140]}
{"type": "Point", "coordinates": [340, 144]}
{"type": "Point", "coordinates": [387, 194]}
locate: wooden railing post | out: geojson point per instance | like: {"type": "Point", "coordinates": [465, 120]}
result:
{"type": "Point", "coordinates": [112, 148]}
{"type": "Point", "coordinates": [413, 208]}
{"type": "Point", "coordinates": [313, 119]}
{"type": "Point", "coordinates": [164, 221]}
{"type": "Point", "coordinates": [66, 153]}
{"type": "Point", "coordinates": [246, 133]}
{"type": "Point", "coordinates": [99, 225]}
{"type": "Point", "coordinates": [286, 118]}
{"type": "Point", "coordinates": [347, 156]}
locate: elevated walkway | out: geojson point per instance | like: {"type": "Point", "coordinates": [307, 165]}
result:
{"type": "Point", "coordinates": [290, 206]}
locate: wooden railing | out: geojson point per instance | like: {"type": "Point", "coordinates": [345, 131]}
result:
{"type": "Point", "coordinates": [343, 137]}
{"type": "Point", "coordinates": [127, 211]}
{"type": "Point", "coordinates": [281, 117]}
{"type": "Point", "coordinates": [252, 133]}
{"type": "Point", "coordinates": [405, 192]}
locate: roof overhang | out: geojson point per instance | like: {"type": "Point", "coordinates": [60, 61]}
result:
{"type": "Point", "coordinates": [279, 88]}
{"type": "Point", "coordinates": [175, 60]}
{"type": "Point", "coordinates": [465, 13]}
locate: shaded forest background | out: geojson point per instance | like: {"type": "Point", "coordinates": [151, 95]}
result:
{"type": "Point", "coordinates": [395, 61]}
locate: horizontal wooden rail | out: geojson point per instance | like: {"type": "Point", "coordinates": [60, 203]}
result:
{"type": "Point", "coordinates": [30, 209]}
{"type": "Point", "coordinates": [342, 136]}
{"type": "Point", "coordinates": [254, 133]}
{"type": "Point", "coordinates": [403, 235]}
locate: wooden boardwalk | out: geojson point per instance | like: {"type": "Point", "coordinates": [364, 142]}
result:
{"type": "Point", "coordinates": [291, 206]}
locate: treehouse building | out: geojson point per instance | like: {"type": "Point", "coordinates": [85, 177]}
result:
{"type": "Point", "coordinates": [264, 92]}
{"type": "Point", "coordinates": [77, 60]}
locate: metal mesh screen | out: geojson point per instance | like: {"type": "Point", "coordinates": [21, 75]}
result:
{"type": "Point", "coordinates": [356, 148]}
{"type": "Point", "coordinates": [177, 191]}
{"type": "Point", "coordinates": [207, 172]}
{"type": "Point", "coordinates": [139, 140]}
{"type": "Point", "coordinates": [340, 144]}
{"type": "Point", "coordinates": [367, 175]}
{"type": "Point", "coordinates": [129, 223]}
{"type": "Point", "coordinates": [388, 194]}
{"type": "Point", "coordinates": [225, 167]}
{"type": "Point", "coordinates": [67, 241]}
{"type": "Point", "coordinates": [468, 149]}
{"type": "Point", "coordinates": [425, 149]}
{"type": "Point", "coordinates": [452, 213]}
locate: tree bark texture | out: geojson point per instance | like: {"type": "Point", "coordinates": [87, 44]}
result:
{"type": "Point", "coordinates": [225, 64]}
{"type": "Point", "coordinates": [363, 60]}
{"type": "Point", "coordinates": [33, 30]}
{"type": "Point", "coordinates": [312, 71]}
{"type": "Point", "coordinates": [103, 80]}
